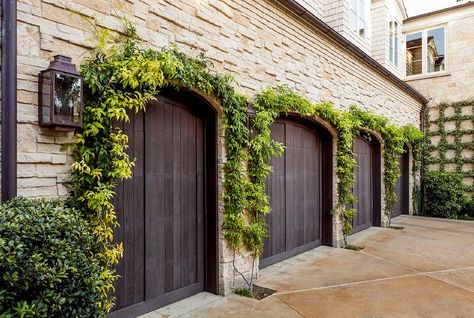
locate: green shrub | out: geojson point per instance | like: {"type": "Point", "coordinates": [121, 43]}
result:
{"type": "Point", "coordinates": [47, 264]}
{"type": "Point", "coordinates": [445, 194]}
{"type": "Point", "coordinates": [468, 209]}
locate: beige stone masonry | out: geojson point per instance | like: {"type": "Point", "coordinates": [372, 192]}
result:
{"type": "Point", "coordinates": [258, 42]}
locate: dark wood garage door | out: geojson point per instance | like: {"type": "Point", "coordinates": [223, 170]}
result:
{"type": "Point", "coordinates": [403, 186]}
{"type": "Point", "coordinates": [367, 185]}
{"type": "Point", "coordinates": [163, 210]}
{"type": "Point", "coordinates": [297, 188]}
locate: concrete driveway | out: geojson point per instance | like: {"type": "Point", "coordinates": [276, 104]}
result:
{"type": "Point", "coordinates": [424, 270]}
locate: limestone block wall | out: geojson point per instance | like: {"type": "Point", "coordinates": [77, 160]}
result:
{"type": "Point", "coordinates": [451, 139]}
{"type": "Point", "coordinates": [457, 82]}
{"type": "Point", "coordinates": [384, 11]}
{"type": "Point", "coordinates": [259, 42]}
{"type": "Point", "coordinates": [450, 151]}
{"type": "Point", "coordinates": [316, 7]}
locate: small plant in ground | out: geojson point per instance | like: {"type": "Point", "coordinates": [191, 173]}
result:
{"type": "Point", "coordinates": [394, 227]}
{"type": "Point", "coordinates": [445, 194]}
{"type": "Point", "coordinates": [245, 292]}
{"type": "Point", "coordinates": [257, 293]}
{"type": "Point", "coordinates": [353, 247]}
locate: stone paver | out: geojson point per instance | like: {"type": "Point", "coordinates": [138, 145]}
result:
{"type": "Point", "coordinates": [424, 270]}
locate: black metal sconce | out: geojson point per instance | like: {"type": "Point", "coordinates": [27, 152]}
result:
{"type": "Point", "coordinates": [61, 100]}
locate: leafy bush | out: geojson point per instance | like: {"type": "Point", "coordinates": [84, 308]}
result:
{"type": "Point", "coordinates": [47, 264]}
{"type": "Point", "coordinates": [468, 209]}
{"type": "Point", "coordinates": [445, 194]}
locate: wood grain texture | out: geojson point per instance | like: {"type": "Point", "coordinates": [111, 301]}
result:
{"type": "Point", "coordinates": [295, 191]}
{"type": "Point", "coordinates": [403, 186]}
{"type": "Point", "coordinates": [163, 210]}
{"type": "Point", "coordinates": [364, 185]}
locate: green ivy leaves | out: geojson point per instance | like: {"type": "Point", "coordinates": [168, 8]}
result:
{"type": "Point", "coordinates": [458, 145]}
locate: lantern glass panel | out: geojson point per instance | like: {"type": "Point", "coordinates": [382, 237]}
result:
{"type": "Point", "coordinates": [46, 97]}
{"type": "Point", "coordinates": [67, 98]}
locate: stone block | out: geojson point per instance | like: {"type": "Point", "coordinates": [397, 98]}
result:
{"type": "Point", "coordinates": [34, 158]}
{"type": "Point", "coordinates": [28, 40]}
{"type": "Point", "coordinates": [102, 6]}
{"type": "Point", "coordinates": [58, 159]}
{"type": "Point", "coordinates": [47, 192]}
{"type": "Point", "coordinates": [36, 182]}
{"type": "Point", "coordinates": [64, 16]}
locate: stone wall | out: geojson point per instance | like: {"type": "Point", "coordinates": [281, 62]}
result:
{"type": "Point", "coordinates": [384, 11]}
{"type": "Point", "coordinates": [457, 82]}
{"type": "Point", "coordinates": [258, 42]}
{"type": "Point", "coordinates": [451, 139]}
{"type": "Point", "coordinates": [317, 7]}
{"type": "Point", "coordinates": [445, 89]}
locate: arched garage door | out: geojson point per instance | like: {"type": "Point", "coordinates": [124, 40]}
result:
{"type": "Point", "coordinates": [367, 188]}
{"type": "Point", "coordinates": [403, 185]}
{"type": "Point", "coordinates": [300, 191]}
{"type": "Point", "coordinates": [168, 206]}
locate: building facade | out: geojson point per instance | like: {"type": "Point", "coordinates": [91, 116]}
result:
{"type": "Point", "coordinates": [345, 52]}
{"type": "Point", "coordinates": [439, 64]}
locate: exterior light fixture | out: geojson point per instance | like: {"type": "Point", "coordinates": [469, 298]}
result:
{"type": "Point", "coordinates": [61, 99]}
{"type": "Point", "coordinates": [251, 114]}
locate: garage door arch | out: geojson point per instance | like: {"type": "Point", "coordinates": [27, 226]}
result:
{"type": "Point", "coordinates": [367, 187]}
{"type": "Point", "coordinates": [300, 189]}
{"type": "Point", "coordinates": [168, 210]}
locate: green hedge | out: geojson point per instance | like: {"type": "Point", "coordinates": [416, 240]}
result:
{"type": "Point", "coordinates": [47, 264]}
{"type": "Point", "coordinates": [467, 211]}
{"type": "Point", "coordinates": [445, 194]}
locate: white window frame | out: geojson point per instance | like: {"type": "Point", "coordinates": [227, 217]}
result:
{"type": "Point", "coordinates": [424, 51]}
{"type": "Point", "coordinates": [394, 56]}
{"type": "Point", "coordinates": [360, 14]}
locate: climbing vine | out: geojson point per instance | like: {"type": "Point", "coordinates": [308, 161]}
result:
{"type": "Point", "coordinates": [269, 105]}
{"type": "Point", "coordinates": [120, 77]}
{"type": "Point", "coordinates": [454, 150]}
{"type": "Point", "coordinates": [394, 139]}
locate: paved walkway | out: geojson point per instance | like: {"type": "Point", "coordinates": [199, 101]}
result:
{"type": "Point", "coordinates": [424, 270]}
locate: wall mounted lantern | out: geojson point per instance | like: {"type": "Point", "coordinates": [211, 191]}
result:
{"type": "Point", "coordinates": [60, 95]}
{"type": "Point", "coordinates": [251, 114]}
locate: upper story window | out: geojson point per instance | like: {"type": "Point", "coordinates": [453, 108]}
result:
{"type": "Point", "coordinates": [435, 53]}
{"type": "Point", "coordinates": [358, 17]}
{"type": "Point", "coordinates": [394, 42]}
{"type": "Point", "coordinates": [426, 52]}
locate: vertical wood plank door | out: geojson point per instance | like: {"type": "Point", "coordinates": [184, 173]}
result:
{"type": "Point", "coordinates": [295, 191]}
{"type": "Point", "coordinates": [403, 186]}
{"type": "Point", "coordinates": [364, 185]}
{"type": "Point", "coordinates": [161, 210]}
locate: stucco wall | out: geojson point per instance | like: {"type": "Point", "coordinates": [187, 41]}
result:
{"type": "Point", "coordinates": [258, 42]}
